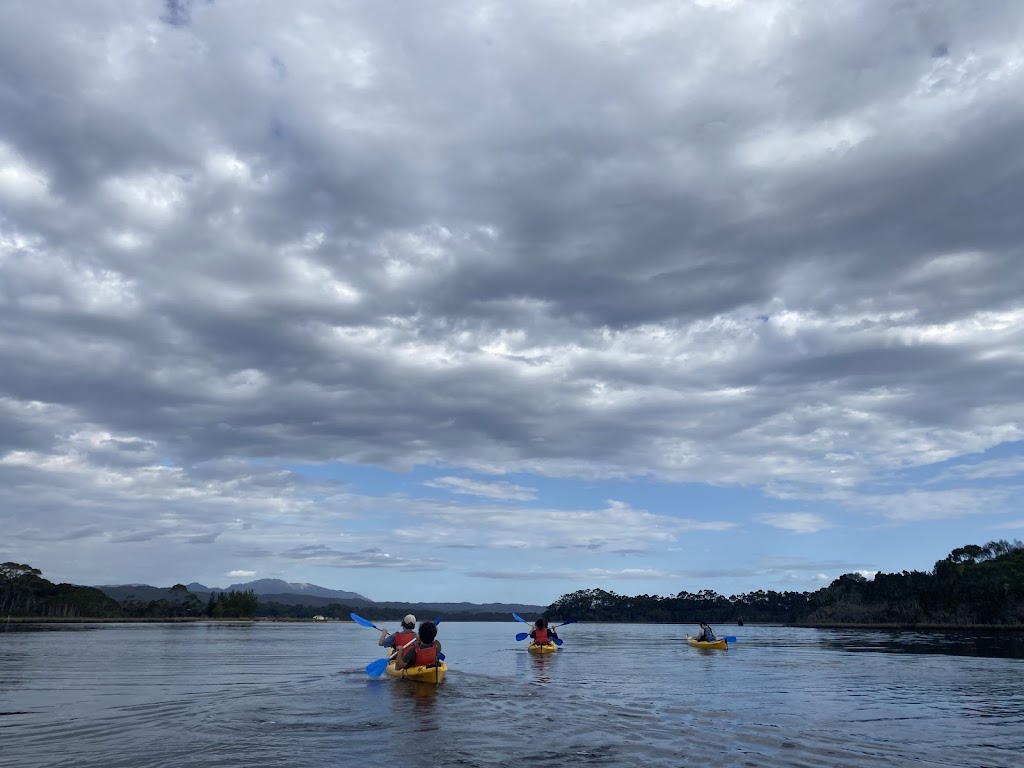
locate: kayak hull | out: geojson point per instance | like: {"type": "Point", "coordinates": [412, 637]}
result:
{"type": "Point", "coordinates": [419, 674]}
{"type": "Point", "coordinates": [720, 645]}
{"type": "Point", "coordinates": [546, 648]}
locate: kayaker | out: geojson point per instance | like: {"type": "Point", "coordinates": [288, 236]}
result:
{"type": "Point", "coordinates": [706, 634]}
{"type": "Point", "coordinates": [542, 634]}
{"type": "Point", "coordinates": [402, 637]}
{"type": "Point", "coordinates": [423, 651]}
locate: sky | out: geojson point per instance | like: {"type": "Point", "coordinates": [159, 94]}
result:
{"type": "Point", "coordinates": [495, 301]}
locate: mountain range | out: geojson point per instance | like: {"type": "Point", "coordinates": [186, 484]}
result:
{"type": "Point", "coordinates": [292, 593]}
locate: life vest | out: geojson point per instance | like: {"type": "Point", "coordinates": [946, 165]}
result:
{"type": "Point", "coordinates": [404, 637]}
{"type": "Point", "coordinates": [426, 655]}
{"type": "Point", "coordinates": [540, 636]}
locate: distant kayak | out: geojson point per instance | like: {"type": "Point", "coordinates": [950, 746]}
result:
{"type": "Point", "coordinates": [719, 644]}
{"type": "Point", "coordinates": [545, 648]}
{"type": "Point", "coordinates": [420, 674]}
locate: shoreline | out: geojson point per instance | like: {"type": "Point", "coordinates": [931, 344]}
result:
{"type": "Point", "coordinates": [895, 627]}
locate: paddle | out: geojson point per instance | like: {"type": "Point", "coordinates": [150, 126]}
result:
{"type": "Point", "coordinates": [364, 622]}
{"type": "Point", "coordinates": [376, 668]}
{"type": "Point", "coordinates": [727, 638]}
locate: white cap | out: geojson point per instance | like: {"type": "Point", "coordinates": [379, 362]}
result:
{"type": "Point", "coordinates": [409, 619]}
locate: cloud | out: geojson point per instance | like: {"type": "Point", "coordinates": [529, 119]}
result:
{"type": "Point", "coordinates": [617, 528]}
{"type": "Point", "coordinates": [773, 249]}
{"type": "Point", "coordinates": [797, 522]}
{"type": "Point", "coordinates": [506, 491]}
{"type": "Point", "coordinates": [923, 505]}
{"type": "Point", "coordinates": [241, 574]}
{"type": "Point", "coordinates": [367, 558]}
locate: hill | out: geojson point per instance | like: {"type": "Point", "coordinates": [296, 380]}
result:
{"type": "Point", "coordinates": [278, 587]}
{"type": "Point", "coordinates": [296, 595]}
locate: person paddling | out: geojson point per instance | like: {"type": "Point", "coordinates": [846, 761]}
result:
{"type": "Point", "coordinates": [706, 634]}
{"type": "Point", "coordinates": [405, 635]}
{"type": "Point", "coordinates": [423, 651]}
{"type": "Point", "coordinates": [542, 634]}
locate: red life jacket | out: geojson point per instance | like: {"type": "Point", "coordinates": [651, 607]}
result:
{"type": "Point", "coordinates": [540, 636]}
{"type": "Point", "coordinates": [426, 655]}
{"type": "Point", "coordinates": [403, 637]}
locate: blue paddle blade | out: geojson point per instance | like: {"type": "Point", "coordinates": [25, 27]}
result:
{"type": "Point", "coordinates": [730, 638]}
{"type": "Point", "coordinates": [517, 617]}
{"type": "Point", "coordinates": [376, 668]}
{"type": "Point", "coordinates": [440, 656]}
{"type": "Point", "coordinates": [360, 620]}
{"type": "Point", "coordinates": [437, 621]}
{"type": "Point", "coordinates": [558, 641]}
{"type": "Point", "coordinates": [522, 635]}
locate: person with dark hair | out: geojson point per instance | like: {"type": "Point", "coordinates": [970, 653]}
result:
{"type": "Point", "coordinates": [706, 634]}
{"type": "Point", "coordinates": [423, 651]}
{"type": "Point", "coordinates": [402, 637]}
{"type": "Point", "coordinates": [542, 634]}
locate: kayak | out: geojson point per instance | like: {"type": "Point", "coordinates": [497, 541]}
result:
{"type": "Point", "coordinates": [420, 674]}
{"type": "Point", "coordinates": [719, 644]}
{"type": "Point", "coordinates": [546, 648]}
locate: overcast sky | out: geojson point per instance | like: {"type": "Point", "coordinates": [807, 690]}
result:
{"type": "Point", "coordinates": [497, 301]}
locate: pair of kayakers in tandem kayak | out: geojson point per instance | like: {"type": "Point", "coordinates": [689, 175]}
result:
{"type": "Point", "coordinates": [413, 649]}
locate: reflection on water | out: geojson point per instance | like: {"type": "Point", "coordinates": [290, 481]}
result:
{"type": "Point", "coordinates": [297, 695]}
{"type": "Point", "coordinates": [947, 643]}
{"type": "Point", "coordinates": [541, 666]}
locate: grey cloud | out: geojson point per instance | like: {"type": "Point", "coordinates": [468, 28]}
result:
{"type": "Point", "coordinates": [368, 558]}
{"type": "Point", "coordinates": [709, 250]}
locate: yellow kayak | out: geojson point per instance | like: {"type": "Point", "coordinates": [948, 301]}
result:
{"type": "Point", "coordinates": [545, 648]}
{"type": "Point", "coordinates": [420, 674]}
{"type": "Point", "coordinates": [719, 644]}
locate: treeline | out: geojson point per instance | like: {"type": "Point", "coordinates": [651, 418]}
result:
{"type": "Point", "coordinates": [184, 604]}
{"type": "Point", "coordinates": [274, 610]}
{"type": "Point", "coordinates": [972, 585]}
{"type": "Point", "coordinates": [24, 592]}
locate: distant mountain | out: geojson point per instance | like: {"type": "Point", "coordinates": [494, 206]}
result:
{"type": "Point", "coordinates": [140, 593]}
{"type": "Point", "coordinates": [278, 587]}
{"type": "Point", "coordinates": [290, 593]}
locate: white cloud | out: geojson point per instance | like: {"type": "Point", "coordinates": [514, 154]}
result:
{"type": "Point", "coordinates": [502, 490]}
{"type": "Point", "coordinates": [797, 522]}
{"type": "Point", "coordinates": [241, 574]}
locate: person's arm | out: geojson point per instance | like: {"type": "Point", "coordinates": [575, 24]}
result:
{"type": "Point", "coordinates": [405, 660]}
{"type": "Point", "coordinates": [383, 635]}
{"type": "Point", "coordinates": [533, 634]}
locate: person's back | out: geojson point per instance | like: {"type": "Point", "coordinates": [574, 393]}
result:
{"type": "Point", "coordinates": [403, 637]}
{"type": "Point", "coordinates": [540, 634]}
{"type": "Point", "coordinates": [424, 650]}
{"type": "Point", "coordinates": [706, 634]}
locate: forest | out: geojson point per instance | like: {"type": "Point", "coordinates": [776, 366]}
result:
{"type": "Point", "coordinates": [25, 593]}
{"type": "Point", "coordinates": [973, 585]}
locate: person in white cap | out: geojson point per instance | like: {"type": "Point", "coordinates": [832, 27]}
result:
{"type": "Point", "coordinates": [402, 637]}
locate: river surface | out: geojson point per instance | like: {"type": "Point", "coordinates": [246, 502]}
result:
{"type": "Point", "coordinates": [266, 694]}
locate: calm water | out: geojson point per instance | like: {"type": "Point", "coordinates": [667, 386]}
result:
{"type": "Point", "coordinates": [615, 695]}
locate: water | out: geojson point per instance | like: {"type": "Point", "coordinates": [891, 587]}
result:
{"type": "Point", "coordinates": [615, 695]}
